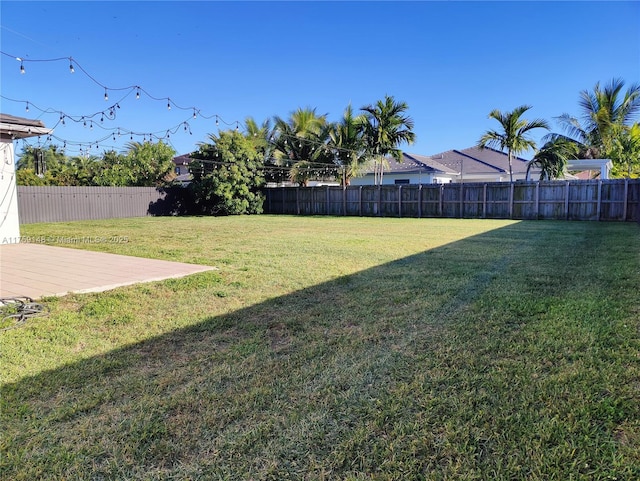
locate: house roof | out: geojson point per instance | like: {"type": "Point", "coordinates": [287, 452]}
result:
{"type": "Point", "coordinates": [12, 127]}
{"type": "Point", "coordinates": [417, 164]}
{"type": "Point", "coordinates": [183, 159]}
{"type": "Point", "coordinates": [475, 160]}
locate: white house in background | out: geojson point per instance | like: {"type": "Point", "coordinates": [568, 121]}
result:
{"type": "Point", "coordinates": [466, 165]}
{"type": "Point", "coordinates": [12, 128]}
{"type": "Point", "coordinates": [414, 169]}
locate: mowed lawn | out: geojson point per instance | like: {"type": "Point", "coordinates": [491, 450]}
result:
{"type": "Point", "coordinates": [336, 348]}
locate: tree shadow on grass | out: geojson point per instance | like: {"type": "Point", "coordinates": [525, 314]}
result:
{"type": "Point", "coordinates": [380, 373]}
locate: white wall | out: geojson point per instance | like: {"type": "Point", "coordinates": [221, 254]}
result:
{"type": "Point", "coordinates": [9, 220]}
{"type": "Point", "coordinates": [390, 179]}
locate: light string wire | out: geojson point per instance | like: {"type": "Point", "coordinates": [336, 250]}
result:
{"type": "Point", "coordinates": [110, 113]}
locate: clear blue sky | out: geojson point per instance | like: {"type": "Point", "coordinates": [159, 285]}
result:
{"type": "Point", "coordinates": [452, 62]}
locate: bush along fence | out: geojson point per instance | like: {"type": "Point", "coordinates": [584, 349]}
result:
{"type": "Point", "coordinates": [606, 200]}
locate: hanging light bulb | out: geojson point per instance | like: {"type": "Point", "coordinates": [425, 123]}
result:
{"type": "Point", "coordinates": [138, 93]}
{"type": "Point", "coordinates": [27, 109]}
{"type": "Point", "coordinates": [91, 125]}
{"type": "Point", "coordinates": [71, 69]}
{"type": "Point", "coordinates": [217, 123]}
{"type": "Point", "coordinates": [194, 113]}
{"type": "Point", "coordinates": [106, 96]}
{"type": "Point", "coordinates": [114, 137]}
{"type": "Point", "coordinates": [84, 122]}
{"type": "Point", "coordinates": [21, 64]}
{"type": "Point", "coordinates": [168, 104]}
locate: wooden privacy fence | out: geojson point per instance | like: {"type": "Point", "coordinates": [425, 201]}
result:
{"type": "Point", "coordinates": [611, 200]}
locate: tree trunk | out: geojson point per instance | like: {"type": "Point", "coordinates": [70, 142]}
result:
{"type": "Point", "coordinates": [510, 167]}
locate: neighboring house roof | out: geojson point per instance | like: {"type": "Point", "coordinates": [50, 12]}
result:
{"type": "Point", "coordinates": [183, 159]}
{"type": "Point", "coordinates": [416, 164]}
{"type": "Point", "coordinates": [12, 127]}
{"type": "Point", "coordinates": [475, 160]}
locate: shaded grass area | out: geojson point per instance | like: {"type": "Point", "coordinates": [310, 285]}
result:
{"type": "Point", "coordinates": [339, 349]}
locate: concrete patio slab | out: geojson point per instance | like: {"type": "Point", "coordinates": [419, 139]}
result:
{"type": "Point", "coordinates": [37, 270]}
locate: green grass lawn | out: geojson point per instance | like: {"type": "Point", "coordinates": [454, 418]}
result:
{"type": "Point", "coordinates": [336, 348]}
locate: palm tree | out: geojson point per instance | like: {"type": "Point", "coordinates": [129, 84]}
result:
{"type": "Point", "coordinates": [513, 136]}
{"type": "Point", "coordinates": [346, 139]}
{"type": "Point", "coordinates": [552, 158]}
{"type": "Point", "coordinates": [604, 111]}
{"type": "Point", "coordinates": [260, 135]}
{"type": "Point", "coordinates": [301, 138]}
{"type": "Point", "coordinates": [386, 129]}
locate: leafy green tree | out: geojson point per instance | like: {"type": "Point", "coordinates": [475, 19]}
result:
{"type": "Point", "coordinates": [604, 111]}
{"type": "Point", "coordinates": [27, 176]}
{"type": "Point", "coordinates": [346, 139]}
{"type": "Point", "coordinates": [625, 152]}
{"type": "Point", "coordinates": [387, 127]}
{"type": "Point", "coordinates": [553, 157]}
{"type": "Point", "coordinates": [53, 161]}
{"type": "Point", "coordinates": [150, 164]}
{"type": "Point", "coordinates": [227, 175]}
{"type": "Point", "coordinates": [114, 171]}
{"type": "Point", "coordinates": [513, 135]}
{"type": "Point", "coordinates": [75, 171]}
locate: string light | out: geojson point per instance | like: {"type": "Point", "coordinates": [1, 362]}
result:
{"type": "Point", "coordinates": [73, 64]}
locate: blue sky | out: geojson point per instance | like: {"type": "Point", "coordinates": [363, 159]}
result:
{"type": "Point", "coordinates": [452, 62]}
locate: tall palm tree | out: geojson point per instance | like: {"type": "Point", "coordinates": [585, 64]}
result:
{"type": "Point", "coordinates": [513, 136]}
{"type": "Point", "coordinates": [603, 111]}
{"type": "Point", "coordinates": [346, 139]}
{"type": "Point", "coordinates": [386, 129]}
{"type": "Point", "coordinates": [301, 138]}
{"type": "Point", "coordinates": [552, 158]}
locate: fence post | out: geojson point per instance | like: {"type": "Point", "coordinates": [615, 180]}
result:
{"type": "Point", "coordinates": [380, 199]}
{"type": "Point", "coordinates": [626, 199]}
{"type": "Point", "coordinates": [283, 199]}
{"type": "Point", "coordinates": [440, 200]}
{"type": "Point", "coordinates": [566, 202]}
{"type": "Point", "coordinates": [360, 201]}
{"type": "Point", "coordinates": [484, 200]}
{"type": "Point", "coordinates": [537, 200]}
{"type": "Point", "coordinates": [511, 187]}
{"type": "Point", "coordinates": [297, 200]}
{"type": "Point", "coordinates": [599, 204]}
{"type": "Point", "coordinates": [327, 200]}
{"type": "Point", "coordinates": [344, 200]}
{"type": "Point", "coordinates": [420, 201]}
{"type": "Point", "coordinates": [399, 200]}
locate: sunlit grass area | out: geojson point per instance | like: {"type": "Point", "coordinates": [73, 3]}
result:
{"type": "Point", "coordinates": [336, 348]}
